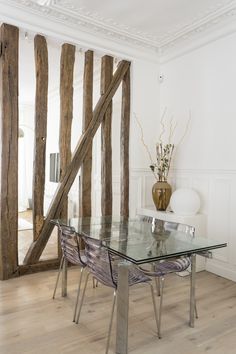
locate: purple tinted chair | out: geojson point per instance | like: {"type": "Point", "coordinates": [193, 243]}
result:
{"type": "Point", "coordinates": [160, 269]}
{"type": "Point", "coordinates": [104, 268]}
{"type": "Point", "coordinates": [71, 253]}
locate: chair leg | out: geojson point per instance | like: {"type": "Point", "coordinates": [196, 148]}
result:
{"type": "Point", "coordinates": [95, 283]}
{"type": "Point", "coordinates": [161, 301]}
{"type": "Point", "coordinates": [111, 320]}
{"type": "Point", "coordinates": [82, 299]}
{"type": "Point", "coordinates": [78, 293]}
{"type": "Point", "coordinates": [155, 308]}
{"type": "Point", "coordinates": [58, 276]}
{"type": "Point", "coordinates": [157, 281]}
{"type": "Point", "coordinates": [195, 307]}
{"type": "Point", "coordinates": [158, 286]}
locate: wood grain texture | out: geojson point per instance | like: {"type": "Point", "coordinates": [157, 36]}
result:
{"type": "Point", "coordinates": [37, 247]}
{"type": "Point", "coordinates": [85, 204]}
{"type": "Point", "coordinates": [8, 150]}
{"type": "Point", "coordinates": [66, 112]}
{"type": "Point", "coordinates": [38, 267]}
{"type": "Point", "coordinates": [40, 137]}
{"type": "Point", "coordinates": [33, 323]}
{"type": "Point", "coordinates": [106, 142]}
{"type": "Point", "coordinates": [124, 146]}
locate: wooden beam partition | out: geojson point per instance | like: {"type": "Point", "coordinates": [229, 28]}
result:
{"type": "Point", "coordinates": [124, 146]}
{"type": "Point", "coordinates": [106, 145]}
{"type": "Point", "coordinates": [66, 112]}
{"type": "Point", "coordinates": [41, 110]}
{"type": "Point", "coordinates": [38, 246]}
{"type": "Point", "coordinates": [85, 204]}
{"type": "Point", "coordinates": [39, 266]}
{"type": "Point", "coordinates": [9, 40]}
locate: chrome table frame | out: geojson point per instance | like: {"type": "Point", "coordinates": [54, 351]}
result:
{"type": "Point", "coordinates": [123, 294]}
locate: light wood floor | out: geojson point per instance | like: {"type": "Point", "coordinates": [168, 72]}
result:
{"type": "Point", "coordinates": [25, 238]}
{"type": "Point", "coordinates": [32, 323]}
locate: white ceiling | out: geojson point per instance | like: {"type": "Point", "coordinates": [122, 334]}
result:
{"type": "Point", "coordinates": [156, 22]}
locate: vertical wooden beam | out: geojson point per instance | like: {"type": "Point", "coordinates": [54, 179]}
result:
{"type": "Point", "coordinates": [86, 168]}
{"type": "Point", "coordinates": [38, 246]}
{"type": "Point", "coordinates": [41, 110]}
{"type": "Point", "coordinates": [8, 150]}
{"type": "Point", "coordinates": [66, 112]}
{"type": "Point", "coordinates": [106, 145]}
{"type": "Point", "coordinates": [124, 146]}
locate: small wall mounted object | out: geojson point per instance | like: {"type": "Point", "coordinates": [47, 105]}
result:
{"type": "Point", "coordinates": [185, 201]}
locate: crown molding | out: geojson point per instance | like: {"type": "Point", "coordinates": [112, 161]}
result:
{"type": "Point", "coordinates": [33, 18]}
{"type": "Point", "coordinates": [82, 23]}
{"type": "Point", "coordinates": [94, 31]}
{"type": "Point", "coordinates": [207, 30]}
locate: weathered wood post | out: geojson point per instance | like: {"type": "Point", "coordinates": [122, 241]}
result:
{"type": "Point", "coordinates": [106, 144]}
{"type": "Point", "coordinates": [124, 146]}
{"type": "Point", "coordinates": [85, 204]}
{"type": "Point", "coordinates": [9, 41]}
{"type": "Point", "coordinates": [41, 110]}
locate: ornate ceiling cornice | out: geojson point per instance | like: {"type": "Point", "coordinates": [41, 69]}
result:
{"type": "Point", "coordinates": [83, 22]}
{"type": "Point", "coordinates": [203, 28]}
{"type": "Point", "coordinates": [93, 23]}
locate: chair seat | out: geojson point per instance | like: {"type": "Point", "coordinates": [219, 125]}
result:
{"type": "Point", "coordinates": [166, 267]}
{"type": "Point", "coordinates": [135, 276]}
{"type": "Point", "coordinates": [76, 259]}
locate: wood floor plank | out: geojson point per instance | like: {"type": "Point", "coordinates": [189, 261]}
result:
{"type": "Point", "coordinates": [32, 323]}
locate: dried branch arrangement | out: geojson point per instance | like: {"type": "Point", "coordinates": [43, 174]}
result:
{"type": "Point", "coordinates": [164, 151]}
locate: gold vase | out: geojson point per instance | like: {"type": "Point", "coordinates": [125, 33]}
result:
{"type": "Point", "coordinates": [161, 193]}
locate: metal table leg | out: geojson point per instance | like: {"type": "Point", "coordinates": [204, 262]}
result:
{"type": "Point", "coordinates": [64, 279]}
{"type": "Point", "coordinates": [122, 308]}
{"type": "Point", "coordinates": [192, 290]}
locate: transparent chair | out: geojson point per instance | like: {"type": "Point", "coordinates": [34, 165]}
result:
{"type": "Point", "coordinates": [161, 230]}
{"type": "Point", "coordinates": [70, 253]}
{"type": "Point", "coordinates": [104, 268]}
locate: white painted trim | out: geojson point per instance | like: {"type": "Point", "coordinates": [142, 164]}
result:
{"type": "Point", "coordinates": [90, 31]}
{"type": "Point", "coordinates": [193, 42]}
{"type": "Point", "coordinates": [30, 20]}
{"type": "Point", "coordinates": [222, 269]}
{"type": "Point", "coordinates": [187, 171]}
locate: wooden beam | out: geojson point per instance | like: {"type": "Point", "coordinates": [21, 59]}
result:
{"type": "Point", "coordinates": [124, 146]}
{"type": "Point", "coordinates": [86, 168]}
{"type": "Point", "coordinates": [9, 39]}
{"type": "Point", "coordinates": [38, 267]}
{"type": "Point", "coordinates": [37, 247]}
{"type": "Point", "coordinates": [66, 112]}
{"type": "Point", "coordinates": [106, 144]}
{"type": "Point", "coordinates": [41, 110]}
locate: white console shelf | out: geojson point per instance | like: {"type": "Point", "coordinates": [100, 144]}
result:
{"type": "Point", "coordinates": [198, 221]}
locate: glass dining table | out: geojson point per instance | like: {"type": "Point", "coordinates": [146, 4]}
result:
{"type": "Point", "coordinates": [135, 241]}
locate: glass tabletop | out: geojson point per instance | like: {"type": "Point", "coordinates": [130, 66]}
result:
{"type": "Point", "coordinates": [139, 241]}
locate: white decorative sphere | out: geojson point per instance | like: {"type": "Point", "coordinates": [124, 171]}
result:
{"type": "Point", "coordinates": [185, 201]}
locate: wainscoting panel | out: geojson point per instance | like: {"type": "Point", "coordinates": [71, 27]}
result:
{"type": "Point", "coordinates": [217, 191]}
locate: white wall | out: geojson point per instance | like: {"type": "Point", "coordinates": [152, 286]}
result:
{"type": "Point", "coordinates": [204, 81]}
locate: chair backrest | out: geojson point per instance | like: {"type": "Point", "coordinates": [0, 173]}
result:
{"type": "Point", "coordinates": [162, 225]}
{"type": "Point", "coordinates": [99, 262]}
{"type": "Point", "coordinates": [70, 244]}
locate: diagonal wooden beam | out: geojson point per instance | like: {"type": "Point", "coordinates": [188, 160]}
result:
{"type": "Point", "coordinates": [38, 246]}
